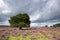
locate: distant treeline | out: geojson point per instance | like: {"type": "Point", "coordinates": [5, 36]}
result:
{"type": "Point", "coordinates": [56, 25]}
{"type": "Point", "coordinates": [4, 26]}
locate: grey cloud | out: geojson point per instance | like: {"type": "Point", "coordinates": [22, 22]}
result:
{"type": "Point", "coordinates": [48, 10]}
{"type": "Point", "coordinates": [3, 17]}
{"type": "Point", "coordinates": [52, 13]}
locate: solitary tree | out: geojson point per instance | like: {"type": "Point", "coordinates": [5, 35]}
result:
{"type": "Point", "coordinates": [20, 20]}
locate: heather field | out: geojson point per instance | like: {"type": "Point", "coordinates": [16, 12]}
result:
{"type": "Point", "coordinates": [43, 33]}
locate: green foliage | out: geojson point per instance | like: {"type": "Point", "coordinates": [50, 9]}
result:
{"type": "Point", "coordinates": [18, 38]}
{"type": "Point", "coordinates": [21, 24]}
{"type": "Point", "coordinates": [11, 38]}
{"type": "Point", "coordinates": [56, 25]}
{"type": "Point", "coordinates": [20, 20]}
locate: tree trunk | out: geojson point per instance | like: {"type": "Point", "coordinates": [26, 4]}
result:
{"type": "Point", "coordinates": [20, 28]}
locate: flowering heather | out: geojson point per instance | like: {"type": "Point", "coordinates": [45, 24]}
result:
{"type": "Point", "coordinates": [31, 34]}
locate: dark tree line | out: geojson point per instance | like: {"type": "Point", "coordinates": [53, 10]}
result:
{"type": "Point", "coordinates": [56, 25]}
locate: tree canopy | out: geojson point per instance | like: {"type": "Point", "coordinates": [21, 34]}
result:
{"type": "Point", "coordinates": [20, 20]}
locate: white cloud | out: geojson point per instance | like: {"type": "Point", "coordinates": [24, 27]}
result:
{"type": "Point", "coordinates": [2, 4]}
{"type": "Point", "coordinates": [50, 6]}
{"type": "Point", "coordinates": [6, 11]}
{"type": "Point", "coordinates": [4, 7]}
{"type": "Point", "coordinates": [4, 23]}
{"type": "Point", "coordinates": [39, 24]}
{"type": "Point", "coordinates": [43, 24]}
{"type": "Point", "coordinates": [35, 16]}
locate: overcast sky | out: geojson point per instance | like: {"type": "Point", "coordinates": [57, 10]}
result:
{"type": "Point", "coordinates": [41, 12]}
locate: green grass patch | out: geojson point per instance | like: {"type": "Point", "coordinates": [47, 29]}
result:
{"type": "Point", "coordinates": [40, 36]}
{"type": "Point", "coordinates": [15, 37]}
